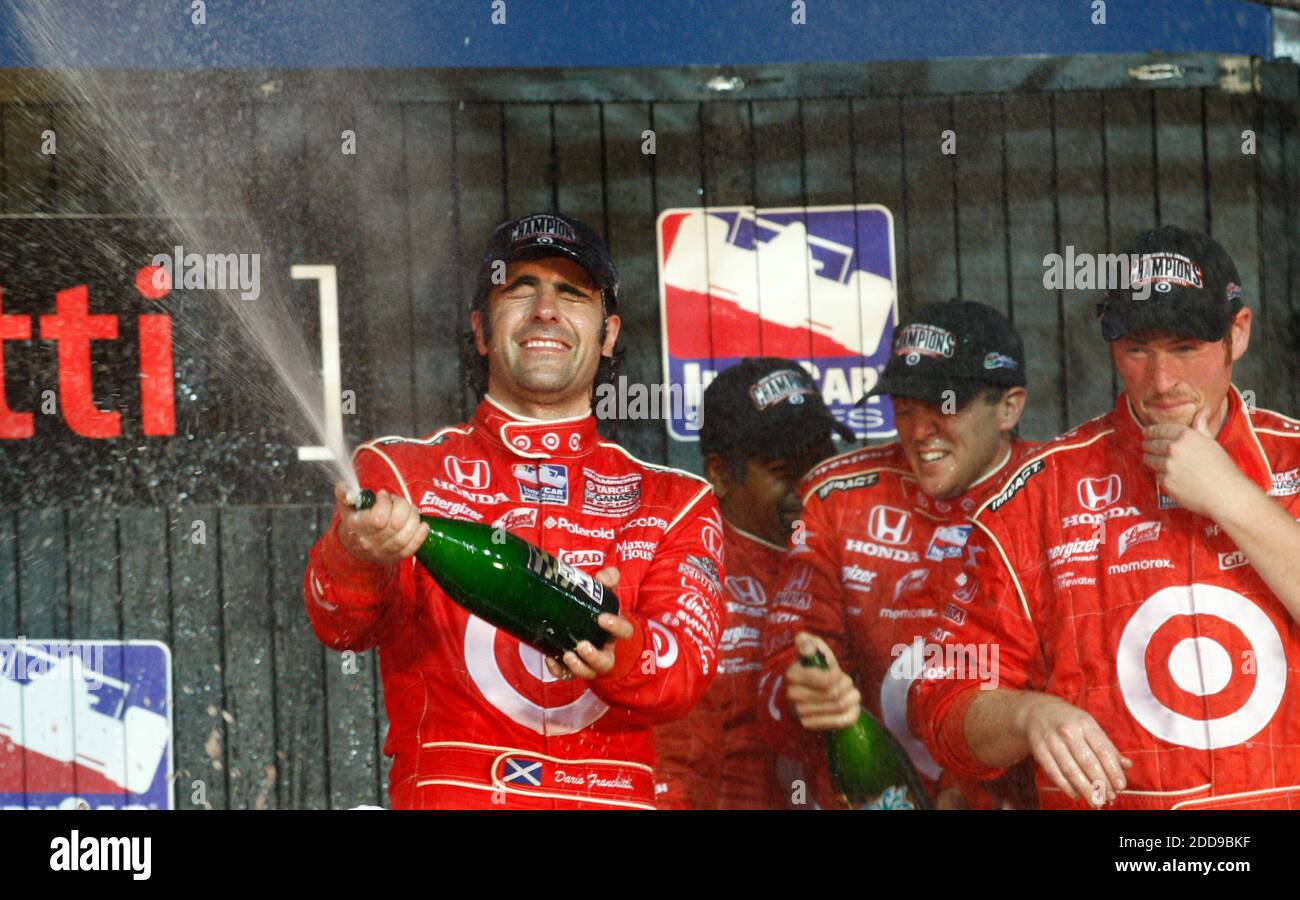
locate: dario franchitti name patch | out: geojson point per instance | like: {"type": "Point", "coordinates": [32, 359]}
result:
{"type": "Point", "coordinates": [917, 340]}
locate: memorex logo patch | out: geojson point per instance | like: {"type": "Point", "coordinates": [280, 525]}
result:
{"type": "Point", "coordinates": [102, 854]}
{"type": "Point", "coordinates": [1139, 565]}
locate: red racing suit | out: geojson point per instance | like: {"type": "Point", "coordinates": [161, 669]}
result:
{"type": "Point", "coordinates": [872, 541]}
{"type": "Point", "coordinates": [715, 758]}
{"type": "Point", "coordinates": [475, 718]}
{"type": "Point", "coordinates": [1098, 589]}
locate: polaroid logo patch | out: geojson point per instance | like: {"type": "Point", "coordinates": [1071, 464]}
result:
{"type": "Point", "coordinates": [915, 341]}
{"type": "Point", "coordinates": [1013, 487]}
{"type": "Point", "coordinates": [605, 534]}
{"type": "Point", "coordinates": [784, 384]}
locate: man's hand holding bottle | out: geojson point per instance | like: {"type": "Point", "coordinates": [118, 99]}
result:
{"type": "Point", "coordinates": [385, 534]}
{"type": "Point", "coordinates": [824, 699]}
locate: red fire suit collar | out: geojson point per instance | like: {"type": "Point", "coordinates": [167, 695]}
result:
{"type": "Point", "coordinates": [1237, 437]}
{"type": "Point", "coordinates": [536, 438]}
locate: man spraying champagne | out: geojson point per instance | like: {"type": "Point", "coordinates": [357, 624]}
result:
{"type": "Point", "coordinates": [478, 719]}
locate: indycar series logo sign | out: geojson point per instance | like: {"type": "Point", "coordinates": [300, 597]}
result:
{"type": "Point", "coordinates": [815, 284]}
{"type": "Point", "coordinates": [85, 724]}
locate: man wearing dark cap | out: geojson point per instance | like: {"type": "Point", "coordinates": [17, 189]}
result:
{"type": "Point", "coordinates": [1142, 575]}
{"type": "Point", "coordinates": [884, 527]}
{"type": "Point", "coordinates": [477, 719]}
{"type": "Point", "coordinates": [765, 426]}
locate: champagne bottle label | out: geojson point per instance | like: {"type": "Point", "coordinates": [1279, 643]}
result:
{"type": "Point", "coordinates": [561, 573]}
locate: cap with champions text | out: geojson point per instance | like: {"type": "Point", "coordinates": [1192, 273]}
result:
{"type": "Point", "coordinates": [767, 403]}
{"type": "Point", "coordinates": [539, 235]}
{"type": "Point", "coordinates": [959, 346]}
{"type": "Point", "coordinates": [1180, 281]}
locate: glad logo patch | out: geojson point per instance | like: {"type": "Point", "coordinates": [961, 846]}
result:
{"type": "Point", "coordinates": [591, 558]}
{"type": "Point", "coordinates": [1138, 534]}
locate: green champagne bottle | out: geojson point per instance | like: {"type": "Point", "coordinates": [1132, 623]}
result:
{"type": "Point", "coordinates": [509, 583]}
{"type": "Point", "coordinates": [869, 768]}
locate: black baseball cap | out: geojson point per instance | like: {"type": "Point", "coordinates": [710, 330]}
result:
{"type": "Point", "coordinates": [959, 346]}
{"type": "Point", "coordinates": [538, 235]}
{"type": "Point", "coordinates": [1178, 280]}
{"type": "Point", "coordinates": [767, 403]}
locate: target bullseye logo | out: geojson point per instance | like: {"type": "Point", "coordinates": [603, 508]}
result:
{"type": "Point", "coordinates": [1179, 664]}
{"type": "Point", "coordinates": [513, 677]}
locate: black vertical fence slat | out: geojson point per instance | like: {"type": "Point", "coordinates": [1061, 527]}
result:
{"type": "Point", "coordinates": [981, 224]}
{"type": "Point", "coordinates": [1274, 238]}
{"type": "Point", "coordinates": [8, 573]}
{"type": "Point", "coordinates": [384, 246]}
{"type": "Point", "coordinates": [42, 574]}
{"type": "Point", "coordinates": [779, 181]}
{"type": "Point", "coordinates": [1234, 222]}
{"type": "Point", "coordinates": [630, 192]}
{"type": "Point", "coordinates": [678, 183]}
{"type": "Point", "coordinates": [93, 598]}
{"type": "Point", "coordinates": [300, 690]}
{"type": "Point", "coordinates": [248, 667]}
{"type": "Point", "coordinates": [1030, 221]}
{"type": "Point", "coordinates": [352, 730]}
{"type": "Point", "coordinates": [723, 141]}
{"type": "Point", "coordinates": [930, 201]}
{"type": "Point", "coordinates": [438, 302]}
{"type": "Point", "coordinates": [28, 172]}
{"type": "Point", "coordinates": [1130, 188]}
{"type": "Point", "coordinates": [1180, 159]}
{"type": "Point", "coordinates": [482, 194]}
{"type": "Point", "coordinates": [828, 152]}
{"type": "Point", "coordinates": [530, 173]}
{"type": "Point", "coordinates": [196, 642]}
{"type": "Point", "coordinates": [329, 179]}
{"type": "Point", "coordinates": [146, 594]}
{"type": "Point", "coordinates": [1082, 216]}
{"type": "Point", "coordinates": [878, 170]}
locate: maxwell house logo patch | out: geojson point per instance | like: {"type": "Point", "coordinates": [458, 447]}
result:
{"type": "Point", "coordinates": [1165, 270]}
{"type": "Point", "coordinates": [917, 340]}
{"type": "Point", "coordinates": [814, 285]}
{"type": "Point", "coordinates": [783, 385]}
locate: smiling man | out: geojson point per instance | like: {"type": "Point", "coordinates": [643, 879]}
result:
{"type": "Point", "coordinates": [880, 526]}
{"type": "Point", "coordinates": [765, 425]}
{"type": "Point", "coordinates": [1142, 575]}
{"type": "Point", "coordinates": [477, 719]}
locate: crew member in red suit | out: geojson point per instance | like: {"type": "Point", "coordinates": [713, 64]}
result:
{"type": "Point", "coordinates": [1141, 580]}
{"type": "Point", "coordinates": [883, 527]}
{"type": "Point", "coordinates": [477, 719]}
{"type": "Point", "coordinates": [764, 427]}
